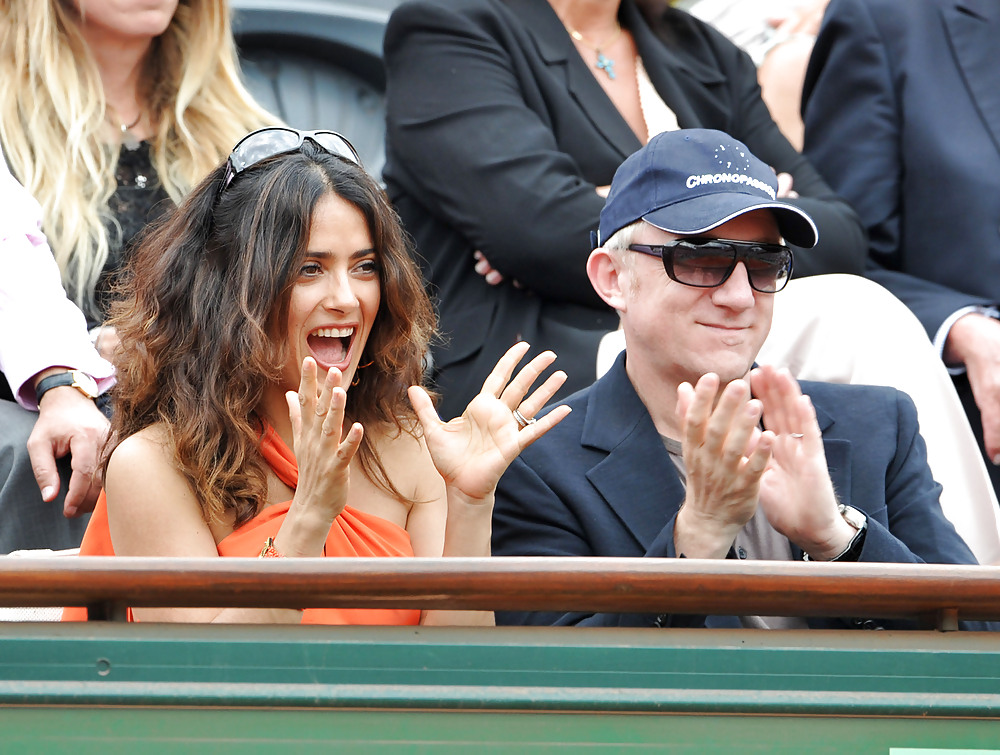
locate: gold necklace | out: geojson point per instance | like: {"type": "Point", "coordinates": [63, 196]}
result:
{"type": "Point", "coordinates": [603, 62]}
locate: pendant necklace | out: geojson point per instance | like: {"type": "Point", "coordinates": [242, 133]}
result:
{"type": "Point", "coordinates": [603, 62]}
{"type": "Point", "coordinates": [129, 140]}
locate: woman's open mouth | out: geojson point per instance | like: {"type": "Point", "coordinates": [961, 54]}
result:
{"type": "Point", "coordinates": [331, 347]}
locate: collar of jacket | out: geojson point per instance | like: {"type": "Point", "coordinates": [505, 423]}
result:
{"type": "Point", "coordinates": [686, 82]}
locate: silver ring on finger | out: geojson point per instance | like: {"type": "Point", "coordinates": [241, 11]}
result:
{"type": "Point", "coordinates": [523, 421]}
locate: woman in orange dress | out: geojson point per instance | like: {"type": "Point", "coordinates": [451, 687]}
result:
{"type": "Point", "coordinates": [279, 308]}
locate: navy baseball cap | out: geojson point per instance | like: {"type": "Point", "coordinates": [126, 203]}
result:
{"type": "Point", "coordinates": [693, 180]}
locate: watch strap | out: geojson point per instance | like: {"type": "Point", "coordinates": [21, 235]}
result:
{"type": "Point", "coordinates": [854, 517]}
{"type": "Point", "coordinates": [57, 381]}
{"type": "Point", "coordinates": [852, 552]}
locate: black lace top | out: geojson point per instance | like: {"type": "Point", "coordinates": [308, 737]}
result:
{"type": "Point", "coordinates": [139, 200]}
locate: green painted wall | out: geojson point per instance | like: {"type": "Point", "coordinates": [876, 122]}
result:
{"type": "Point", "coordinates": [149, 689]}
{"type": "Point", "coordinates": [108, 730]}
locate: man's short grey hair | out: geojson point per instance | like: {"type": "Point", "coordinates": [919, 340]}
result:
{"type": "Point", "coordinates": [621, 239]}
{"type": "Point", "coordinates": [618, 247]}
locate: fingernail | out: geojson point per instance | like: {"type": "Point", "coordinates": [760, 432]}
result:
{"type": "Point", "coordinates": [48, 492]}
{"type": "Point", "coordinates": [996, 460]}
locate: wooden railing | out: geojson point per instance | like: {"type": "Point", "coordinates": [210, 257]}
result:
{"type": "Point", "coordinates": [936, 595]}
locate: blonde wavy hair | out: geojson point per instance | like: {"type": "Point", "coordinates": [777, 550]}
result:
{"type": "Point", "coordinates": [53, 118]}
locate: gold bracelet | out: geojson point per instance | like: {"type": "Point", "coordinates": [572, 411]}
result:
{"type": "Point", "coordinates": [269, 551]}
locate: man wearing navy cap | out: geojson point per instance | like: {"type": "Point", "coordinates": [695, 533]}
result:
{"type": "Point", "coordinates": [684, 448]}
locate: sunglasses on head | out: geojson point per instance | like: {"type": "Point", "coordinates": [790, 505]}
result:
{"type": "Point", "coordinates": [707, 263]}
{"type": "Point", "coordinates": [278, 140]}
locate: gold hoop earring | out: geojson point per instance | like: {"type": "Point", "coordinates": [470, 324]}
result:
{"type": "Point", "coordinates": [357, 373]}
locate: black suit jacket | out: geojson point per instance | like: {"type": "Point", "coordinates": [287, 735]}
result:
{"type": "Point", "coordinates": [498, 134]}
{"type": "Point", "coordinates": [902, 115]}
{"type": "Point", "coordinates": [601, 483]}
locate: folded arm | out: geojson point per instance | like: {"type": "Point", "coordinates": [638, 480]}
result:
{"type": "Point", "coordinates": [481, 158]}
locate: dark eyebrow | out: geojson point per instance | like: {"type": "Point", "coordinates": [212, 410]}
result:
{"type": "Point", "coordinates": [354, 256]}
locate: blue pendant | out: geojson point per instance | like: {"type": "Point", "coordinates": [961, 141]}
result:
{"type": "Point", "coordinates": [606, 64]}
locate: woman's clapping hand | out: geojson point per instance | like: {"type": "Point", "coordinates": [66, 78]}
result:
{"type": "Point", "coordinates": [323, 450]}
{"type": "Point", "coordinates": [472, 451]}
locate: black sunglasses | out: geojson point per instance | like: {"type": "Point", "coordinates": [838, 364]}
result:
{"type": "Point", "coordinates": [278, 140]}
{"type": "Point", "coordinates": [707, 263]}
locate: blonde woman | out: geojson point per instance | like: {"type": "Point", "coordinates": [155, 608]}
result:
{"type": "Point", "coordinates": [110, 112]}
{"type": "Point", "coordinates": [110, 108]}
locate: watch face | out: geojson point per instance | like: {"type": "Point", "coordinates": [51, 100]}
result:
{"type": "Point", "coordinates": [85, 383]}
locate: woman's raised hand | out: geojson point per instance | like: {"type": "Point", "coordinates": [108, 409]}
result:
{"type": "Point", "coordinates": [322, 455]}
{"type": "Point", "coordinates": [471, 452]}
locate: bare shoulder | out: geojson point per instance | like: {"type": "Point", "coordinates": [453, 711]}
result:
{"type": "Point", "coordinates": [152, 508]}
{"type": "Point", "coordinates": [405, 457]}
{"type": "Point", "coordinates": [143, 471]}
{"type": "Point", "coordinates": [139, 455]}
{"type": "Point", "coordinates": [400, 444]}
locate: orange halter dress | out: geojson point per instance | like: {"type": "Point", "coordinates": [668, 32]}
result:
{"type": "Point", "coordinates": [353, 534]}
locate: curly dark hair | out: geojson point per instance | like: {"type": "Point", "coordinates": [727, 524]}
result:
{"type": "Point", "coordinates": [202, 297]}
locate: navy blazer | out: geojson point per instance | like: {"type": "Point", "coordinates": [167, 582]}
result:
{"type": "Point", "coordinates": [498, 134]}
{"type": "Point", "coordinates": [601, 483]}
{"type": "Point", "coordinates": [902, 117]}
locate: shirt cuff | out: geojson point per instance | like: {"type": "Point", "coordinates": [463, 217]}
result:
{"type": "Point", "coordinates": [98, 368]}
{"type": "Point", "coordinates": [942, 333]}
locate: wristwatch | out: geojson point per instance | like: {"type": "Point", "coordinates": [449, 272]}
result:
{"type": "Point", "coordinates": [79, 380]}
{"type": "Point", "coordinates": [859, 521]}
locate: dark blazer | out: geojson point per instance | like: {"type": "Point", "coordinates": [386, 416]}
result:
{"type": "Point", "coordinates": [497, 135]}
{"type": "Point", "coordinates": [601, 483]}
{"type": "Point", "coordinates": [902, 117]}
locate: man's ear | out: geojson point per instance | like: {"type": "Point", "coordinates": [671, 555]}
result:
{"type": "Point", "coordinates": [607, 277]}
